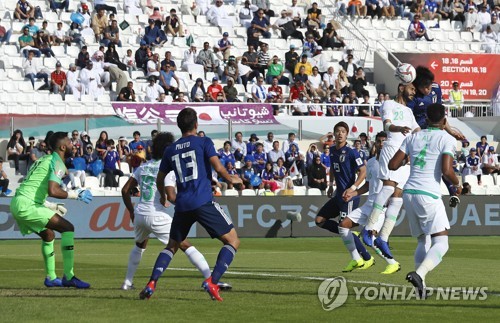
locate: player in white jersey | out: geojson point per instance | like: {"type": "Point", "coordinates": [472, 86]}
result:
{"type": "Point", "coordinates": [398, 121]}
{"type": "Point", "coordinates": [150, 216]}
{"type": "Point", "coordinates": [373, 186]}
{"type": "Point", "coordinates": [431, 153]}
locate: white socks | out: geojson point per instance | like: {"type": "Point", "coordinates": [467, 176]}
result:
{"type": "Point", "coordinates": [133, 261]}
{"type": "Point", "coordinates": [391, 216]}
{"type": "Point", "coordinates": [424, 244]}
{"type": "Point", "coordinates": [378, 206]}
{"type": "Point", "coordinates": [348, 240]}
{"type": "Point", "coordinates": [198, 260]}
{"type": "Point", "coordinates": [434, 256]}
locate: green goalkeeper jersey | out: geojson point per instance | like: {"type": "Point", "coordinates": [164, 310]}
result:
{"type": "Point", "coordinates": [36, 184]}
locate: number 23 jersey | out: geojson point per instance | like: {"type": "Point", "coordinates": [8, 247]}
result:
{"type": "Point", "coordinates": [399, 115]}
{"type": "Point", "coordinates": [189, 157]}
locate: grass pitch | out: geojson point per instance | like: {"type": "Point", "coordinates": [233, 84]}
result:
{"type": "Point", "coordinates": [273, 280]}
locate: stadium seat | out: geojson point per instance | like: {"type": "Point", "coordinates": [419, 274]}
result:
{"type": "Point", "coordinates": [478, 190]}
{"type": "Point", "coordinates": [314, 191]}
{"type": "Point", "coordinates": [122, 180]}
{"type": "Point", "coordinates": [248, 192]}
{"type": "Point", "coordinates": [299, 190]}
{"type": "Point", "coordinates": [493, 190]}
{"type": "Point", "coordinates": [231, 192]}
{"type": "Point", "coordinates": [92, 183]}
{"type": "Point", "coordinates": [487, 180]}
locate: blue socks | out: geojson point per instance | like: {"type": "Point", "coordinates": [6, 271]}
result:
{"type": "Point", "coordinates": [161, 263]}
{"type": "Point", "coordinates": [224, 259]}
{"type": "Point", "coordinates": [361, 248]}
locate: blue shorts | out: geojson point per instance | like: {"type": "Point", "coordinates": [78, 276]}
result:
{"type": "Point", "coordinates": [337, 207]}
{"type": "Point", "coordinates": [211, 216]}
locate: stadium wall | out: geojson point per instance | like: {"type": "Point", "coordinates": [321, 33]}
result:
{"type": "Point", "coordinates": [107, 217]}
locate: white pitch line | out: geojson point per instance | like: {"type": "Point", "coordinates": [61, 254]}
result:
{"type": "Point", "coordinates": [127, 253]}
{"type": "Point", "coordinates": [243, 273]}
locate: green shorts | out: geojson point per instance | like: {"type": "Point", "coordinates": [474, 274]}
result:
{"type": "Point", "coordinates": [30, 217]}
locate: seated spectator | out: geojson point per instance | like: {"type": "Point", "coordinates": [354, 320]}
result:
{"type": "Point", "coordinates": [153, 90]}
{"type": "Point", "coordinates": [464, 151]}
{"type": "Point", "coordinates": [316, 174]}
{"type": "Point", "coordinates": [24, 10]}
{"type": "Point", "coordinates": [42, 44]}
{"type": "Point", "coordinates": [246, 14]}
{"type": "Point", "coordinates": [37, 152]}
{"type": "Point", "coordinates": [305, 64]}
{"type": "Point", "coordinates": [206, 58]}
{"type": "Point", "coordinates": [129, 61]}
{"type": "Point", "coordinates": [314, 84]}
{"type": "Point", "coordinates": [342, 82]}
{"type": "Point", "coordinates": [247, 171]}
{"type": "Point", "coordinates": [325, 158]}
{"type": "Point", "coordinates": [225, 46]}
{"type": "Point", "coordinates": [332, 108]}
{"type": "Point", "coordinates": [490, 40]}
{"type": "Point", "coordinates": [91, 81]}
{"type": "Point", "coordinates": [111, 35]}
{"type": "Point", "coordinates": [259, 91]}
{"type": "Point", "coordinates": [5, 34]}
{"type": "Point", "coordinates": [226, 155]}
{"type": "Point", "coordinates": [265, 6]}
{"type": "Point", "coordinates": [300, 107]}
{"type": "Point", "coordinates": [198, 91]}
{"type": "Point", "coordinates": [276, 70]}
{"type": "Point", "coordinates": [349, 67]}
{"type": "Point", "coordinates": [189, 59]}
{"type": "Point", "coordinates": [274, 154]}
{"type": "Point", "coordinates": [253, 37]}
{"type": "Point", "coordinates": [101, 5]}
{"type": "Point", "coordinates": [75, 87]}
{"type": "Point", "coordinates": [230, 91]}
{"type": "Point", "coordinates": [251, 144]}
{"type": "Point", "coordinates": [472, 166]}
{"type": "Point", "coordinates": [72, 172]}
{"type": "Point", "coordinates": [215, 88]}
{"type": "Point", "coordinates": [482, 146]}
{"type": "Point", "coordinates": [59, 4]}
{"type": "Point", "coordinates": [27, 43]}
{"type": "Point", "coordinates": [16, 149]}
{"type": "Point", "coordinates": [310, 44]}
{"type": "Point", "coordinates": [279, 170]}
{"type": "Point", "coordinates": [58, 81]}
{"type": "Point", "coordinates": [357, 7]}
{"type": "Point", "coordinates": [231, 70]}
{"type": "Point", "coordinates": [267, 175]}
{"type": "Point", "coordinates": [153, 35]}
{"type": "Point", "coordinates": [218, 16]}
{"type": "Point", "coordinates": [294, 12]}
{"type": "Point", "coordinates": [260, 157]}
{"type": "Point", "coordinates": [127, 94]}
{"type": "Point", "coordinates": [231, 171]}
{"type": "Point", "coordinates": [490, 163]}
{"type": "Point", "coordinates": [133, 7]}
{"type": "Point", "coordinates": [33, 70]}
{"type": "Point", "coordinates": [359, 82]}
{"type": "Point", "coordinates": [153, 67]}
{"type": "Point", "coordinates": [364, 110]}
{"type": "Point", "coordinates": [173, 25]}
{"type": "Point", "coordinates": [311, 153]}
{"type": "Point", "coordinates": [220, 97]}
{"type": "Point", "coordinates": [99, 24]}
{"type": "Point", "coordinates": [316, 108]}
{"type": "Point", "coordinates": [238, 147]}
{"type": "Point", "coordinates": [417, 29]}
{"type": "Point", "coordinates": [348, 110]}
{"type": "Point", "coordinates": [32, 27]}
{"type": "Point", "coordinates": [83, 58]}
{"type": "Point", "coordinates": [166, 76]}
{"type": "Point", "coordinates": [313, 16]}
{"type": "Point", "coordinates": [362, 154]}
{"type": "Point", "coordinates": [111, 160]}
{"type": "Point", "coordinates": [388, 10]}
{"type": "Point", "coordinates": [261, 23]}
{"type": "Point", "coordinates": [287, 27]}
{"type": "Point", "coordinates": [4, 180]}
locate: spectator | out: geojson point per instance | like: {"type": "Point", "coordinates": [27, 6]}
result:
{"type": "Point", "coordinates": [59, 4]}
{"type": "Point", "coordinates": [27, 43]}
{"type": "Point", "coordinates": [33, 70]}
{"type": "Point", "coordinates": [292, 155]}
{"type": "Point", "coordinates": [495, 26]}
{"type": "Point", "coordinates": [362, 154]}
{"type": "Point", "coordinates": [59, 37]}
{"type": "Point", "coordinates": [58, 82]}
{"type": "Point", "coordinates": [310, 44]}
{"type": "Point", "coordinates": [300, 108]}
{"type": "Point", "coordinates": [134, 144]}
{"type": "Point", "coordinates": [431, 11]}
{"type": "Point", "coordinates": [287, 27]}
{"type": "Point", "coordinates": [458, 11]}
{"type": "Point", "coordinates": [123, 150]}
{"type": "Point", "coordinates": [417, 29]}
{"type": "Point", "coordinates": [291, 59]}
{"type": "Point", "coordinates": [359, 82]}
{"type": "Point", "coordinates": [314, 84]}
{"type": "Point", "coordinates": [276, 93]}
{"type": "Point", "coordinates": [247, 171]}
{"type": "Point", "coordinates": [157, 16]}
{"type": "Point", "coordinates": [265, 6]}
{"type": "Point", "coordinates": [225, 154]}
{"type": "Point", "coordinates": [313, 16]}
{"type": "Point", "coordinates": [4, 180]}
{"type": "Point", "coordinates": [189, 59]}
{"type": "Point", "coordinates": [43, 45]}
{"type": "Point", "coordinates": [153, 66]}
{"type": "Point", "coordinates": [230, 91]}
{"type": "Point", "coordinates": [215, 88]}
{"type": "Point", "coordinates": [261, 23]}
{"type": "Point", "coordinates": [198, 91]}
{"type": "Point", "coordinates": [83, 58]}
{"type": "Point", "coordinates": [311, 153]}
{"type": "Point", "coordinates": [24, 10]}
{"type": "Point", "coordinates": [349, 67]}
{"type": "Point", "coordinates": [294, 12]}
{"type": "Point", "coordinates": [464, 151]}
{"type": "Point", "coordinates": [490, 163]}
{"type": "Point", "coordinates": [364, 109]}
{"type": "Point", "coordinates": [373, 8]}
{"type": "Point", "coordinates": [472, 20]}
{"type": "Point", "coordinates": [349, 110]}
{"type": "Point", "coordinates": [238, 147]}
{"type": "Point", "coordinates": [153, 35]}
{"type": "Point", "coordinates": [100, 145]}
{"type": "Point", "coordinates": [133, 7]}
{"type": "Point", "coordinates": [166, 76]}
{"type": "Point", "coordinates": [16, 149]}
{"type": "Point", "coordinates": [297, 88]}
{"type": "Point", "coordinates": [206, 58]}
{"type": "Point", "coordinates": [127, 93]}
{"type": "Point", "coordinates": [218, 16]}
{"type": "Point", "coordinates": [490, 40]}
{"type": "Point", "coordinates": [85, 139]}
{"type": "Point", "coordinates": [456, 99]}
{"type": "Point", "coordinates": [279, 170]}
{"type": "Point", "coordinates": [111, 35]}
{"type": "Point", "coordinates": [153, 90]}
{"type": "Point", "coordinates": [482, 146]}
{"type": "Point", "coordinates": [329, 79]}
{"type": "Point", "coordinates": [332, 108]}
{"type": "Point", "coordinates": [99, 24]}
{"type": "Point", "coordinates": [37, 152]}
{"type": "Point", "coordinates": [472, 166]}
{"type": "Point", "coordinates": [231, 70]}
{"type": "Point", "coordinates": [303, 63]}
{"type": "Point", "coordinates": [253, 36]}
{"type": "Point", "coordinates": [276, 70]}
{"type": "Point", "coordinates": [251, 144]}
{"type": "Point", "coordinates": [75, 87]}
{"type": "Point", "coordinates": [342, 82]}
{"type": "Point", "coordinates": [275, 153]}
{"type": "Point", "coordinates": [101, 5]}
{"type": "Point", "coordinates": [325, 158]}
{"type": "Point", "coordinates": [246, 14]}
{"type": "Point", "coordinates": [445, 9]}
{"type": "Point", "coordinates": [111, 160]}
{"type": "Point", "coordinates": [259, 91]}
{"type": "Point", "coordinates": [225, 46]}
{"type": "Point", "coordinates": [267, 176]}
{"type": "Point", "coordinates": [129, 61]}
{"type": "Point", "coordinates": [91, 81]}
{"type": "Point", "coordinates": [316, 175]}
{"type": "Point", "coordinates": [260, 157]}
{"type": "Point", "coordinates": [173, 25]}
{"type": "Point", "coordinates": [357, 7]}
{"type": "Point", "coordinates": [5, 34]}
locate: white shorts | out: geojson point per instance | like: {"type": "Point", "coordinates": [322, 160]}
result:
{"type": "Point", "coordinates": [362, 213]}
{"type": "Point", "coordinates": [158, 224]}
{"type": "Point", "coordinates": [399, 176]}
{"type": "Point", "coordinates": [426, 214]}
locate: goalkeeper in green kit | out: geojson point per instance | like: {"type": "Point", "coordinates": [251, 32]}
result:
{"type": "Point", "coordinates": [34, 214]}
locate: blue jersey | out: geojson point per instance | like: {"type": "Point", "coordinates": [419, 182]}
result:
{"type": "Point", "coordinates": [189, 158]}
{"type": "Point", "coordinates": [472, 161]}
{"type": "Point", "coordinates": [420, 103]}
{"type": "Point", "coordinates": [325, 159]}
{"type": "Point", "coordinates": [344, 162]}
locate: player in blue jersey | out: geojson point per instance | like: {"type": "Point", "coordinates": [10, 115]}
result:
{"type": "Point", "coordinates": [345, 163]}
{"type": "Point", "coordinates": [192, 158]}
{"type": "Point", "coordinates": [427, 92]}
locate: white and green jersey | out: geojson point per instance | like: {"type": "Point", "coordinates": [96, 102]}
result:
{"type": "Point", "coordinates": [400, 115]}
{"type": "Point", "coordinates": [372, 169]}
{"type": "Point", "coordinates": [145, 175]}
{"type": "Point", "coordinates": [426, 149]}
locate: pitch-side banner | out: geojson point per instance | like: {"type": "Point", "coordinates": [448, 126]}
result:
{"type": "Point", "coordinates": [107, 217]}
{"type": "Point", "coordinates": [210, 113]}
{"type": "Point", "coordinates": [478, 75]}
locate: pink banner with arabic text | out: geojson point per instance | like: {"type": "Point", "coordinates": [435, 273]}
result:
{"type": "Point", "coordinates": [208, 113]}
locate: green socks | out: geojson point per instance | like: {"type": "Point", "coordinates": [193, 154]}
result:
{"type": "Point", "coordinates": [67, 246]}
{"type": "Point", "coordinates": [49, 259]}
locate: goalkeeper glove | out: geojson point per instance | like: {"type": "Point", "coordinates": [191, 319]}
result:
{"type": "Point", "coordinates": [81, 195]}
{"type": "Point", "coordinates": [56, 207]}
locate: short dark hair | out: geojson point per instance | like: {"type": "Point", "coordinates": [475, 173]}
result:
{"type": "Point", "coordinates": [136, 133]}
{"type": "Point", "coordinates": [424, 77]}
{"type": "Point", "coordinates": [381, 134]}
{"type": "Point", "coordinates": [56, 138]}
{"type": "Point", "coordinates": [186, 119]}
{"type": "Point", "coordinates": [435, 112]}
{"type": "Point", "coordinates": [110, 142]}
{"type": "Point", "coordinates": [227, 142]}
{"type": "Point", "coordinates": [341, 124]}
{"type": "Point", "coordinates": [160, 143]}
{"type": "Point", "coordinates": [154, 132]}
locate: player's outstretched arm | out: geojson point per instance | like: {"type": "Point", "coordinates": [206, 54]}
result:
{"type": "Point", "coordinates": [455, 134]}
{"type": "Point", "coordinates": [160, 185]}
{"type": "Point", "coordinates": [127, 200]}
{"type": "Point", "coordinates": [221, 170]}
{"type": "Point", "coordinates": [449, 173]}
{"type": "Point", "coordinates": [388, 126]}
{"type": "Point", "coordinates": [79, 194]}
{"type": "Point", "coordinates": [397, 161]}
